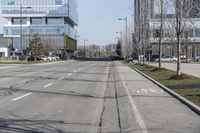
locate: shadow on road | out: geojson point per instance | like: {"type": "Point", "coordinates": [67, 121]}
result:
{"type": "Point", "coordinates": [34, 126]}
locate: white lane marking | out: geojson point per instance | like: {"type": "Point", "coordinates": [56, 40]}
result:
{"type": "Point", "coordinates": [135, 110]}
{"type": "Point", "coordinates": [75, 71]}
{"type": "Point", "coordinates": [15, 99]}
{"type": "Point", "coordinates": [48, 85]}
{"type": "Point", "coordinates": [161, 91]}
{"type": "Point", "coordinates": [61, 78]}
{"type": "Point", "coordinates": [5, 79]}
{"type": "Point", "coordinates": [70, 74]}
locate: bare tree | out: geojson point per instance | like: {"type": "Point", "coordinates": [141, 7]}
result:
{"type": "Point", "coordinates": [128, 41]}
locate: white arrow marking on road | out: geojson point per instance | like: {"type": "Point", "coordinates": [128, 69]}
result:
{"type": "Point", "coordinates": [144, 90]}
{"type": "Point", "coordinates": [15, 99]}
{"type": "Point", "coordinates": [138, 91]}
{"type": "Point", "coordinates": [48, 85]}
{"type": "Point", "coordinates": [161, 91]}
{"type": "Point", "coordinates": [70, 74]}
{"type": "Point", "coordinates": [152, 90]}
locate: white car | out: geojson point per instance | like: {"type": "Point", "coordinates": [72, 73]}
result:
{"type": "Point", "coordinates": [197, 58]}
{"type": "Point", "coordinates": [169, 59]}
{"type": "Point", "coordinates": [51, 57]}
{"type": "Point", "coordinates": [42, 57]}
{"type": "Point", "coordinates": [183, 57]}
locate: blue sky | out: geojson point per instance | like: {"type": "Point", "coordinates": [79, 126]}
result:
{"type": "Point", "coordinates": [98, 19]}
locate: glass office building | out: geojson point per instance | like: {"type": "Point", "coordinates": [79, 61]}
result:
{"type": "Point", "coordinates": [53, 20]}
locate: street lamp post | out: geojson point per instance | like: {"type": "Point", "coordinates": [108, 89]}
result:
{"type": "Point", "coordinates": [120, 35]}
{"type": "Point", "coordinates": [126, 22]}
{"type": "Point", "coordinates": [21, 43]}
{"type": "Point", "coordinates": [21, 32]}
{"type": "Point", "coordinates": [84, 47]}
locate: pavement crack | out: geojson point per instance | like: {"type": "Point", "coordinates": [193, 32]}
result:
{"type": "Point", "coordinates": [117, 100]}
{"type": "Point", "coordinates": [110, 96]}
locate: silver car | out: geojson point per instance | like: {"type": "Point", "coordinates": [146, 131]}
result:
{"type": "Point", "coordinates": [169, 59]}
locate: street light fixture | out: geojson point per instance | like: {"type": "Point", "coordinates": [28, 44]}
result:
{"type": "Point", "coordinates": [21, 7]}
{"type": "Point", "coordinates": [120, 35]}
{"type": "Point", "coordinates": [126, 22]}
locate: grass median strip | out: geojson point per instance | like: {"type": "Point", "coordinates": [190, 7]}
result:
{"type": "Point", "coordinates": [188, 88]}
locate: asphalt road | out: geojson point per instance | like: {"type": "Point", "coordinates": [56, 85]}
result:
{"type": "Point", "coordinates": [87, 97]}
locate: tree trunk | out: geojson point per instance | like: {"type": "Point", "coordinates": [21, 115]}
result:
{"type": "Point", "coordinates": [178, 57]}
{"type": "Point", "coordinates": [179, 7]}
{"type": "Point", "coordinates": [161, 30]}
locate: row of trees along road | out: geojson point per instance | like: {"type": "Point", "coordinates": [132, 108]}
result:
{"type": "Point", "coordinates": [173, 18]}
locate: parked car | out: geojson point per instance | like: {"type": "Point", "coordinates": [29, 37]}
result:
{"type": "Point", "coordinates": [130, 59]}
{"type": "Point", "coordinates": [41, 57]}
{"type": "Point", "coordinates": [197, 58]}
{"type": "Point", "coordinates": [169, 59]}
{"type": "Point", "coordinates": [51, 57]}
{"type": "Point", "coordinates": [141, 57]}
{"type": "Point", "coordinates": [183, 57]}
{"type": "Point", "coordinates": [154, 58]}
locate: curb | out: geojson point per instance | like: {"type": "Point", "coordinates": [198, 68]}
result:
{"type": "Point", "coordinates": [189, 104]}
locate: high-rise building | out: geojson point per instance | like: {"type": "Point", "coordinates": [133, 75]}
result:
{"type": "Point", "coordinates": [53, 20]}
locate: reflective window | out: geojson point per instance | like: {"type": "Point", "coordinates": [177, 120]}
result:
{"type": "Point", "coordinates": [18, 20]}
{"type": "Point", "coordinates": [55, 21]}
{"type": "Point", "coordinates": [36, 21]}
{"type": "Point", "coordinates": [58, 2]}
{"type": "Point", "coordinates": [191, 33]}
{"type": "Point", "coordinates": [197, 32]}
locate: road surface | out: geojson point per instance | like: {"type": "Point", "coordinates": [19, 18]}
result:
{"type": "Point", "coordinates": [87, 97]}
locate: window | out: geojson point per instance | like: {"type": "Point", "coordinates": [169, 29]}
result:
{"type": "Point", "coordinates": [197, 32]}
{"type": "Point", "coordinates": [58, 2]}
{"type": "Point", "coordinates": [36, 21]}
{"type": "Point", "coordinates": [17, 21]}
{"type": "Point", "coordinates": [55, 21]}
{"type": "Point", "coordinates": [11, 2]}
{"type": "Point", "coordinates": [191, 33]}
{"type": "Point", "coordinates": [156, 33]}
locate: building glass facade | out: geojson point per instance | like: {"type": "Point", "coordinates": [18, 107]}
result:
{"type": "Point", "coordinates": [54, 18]}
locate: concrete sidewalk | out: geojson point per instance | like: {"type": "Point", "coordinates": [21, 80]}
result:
{"type": "Point", "coordinates": [156, 111]}
{"type": "Point", "coordinates": [187, 68]}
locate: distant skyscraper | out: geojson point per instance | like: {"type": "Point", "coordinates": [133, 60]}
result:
{"type": "Point", "coordinates": [53, 20]}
